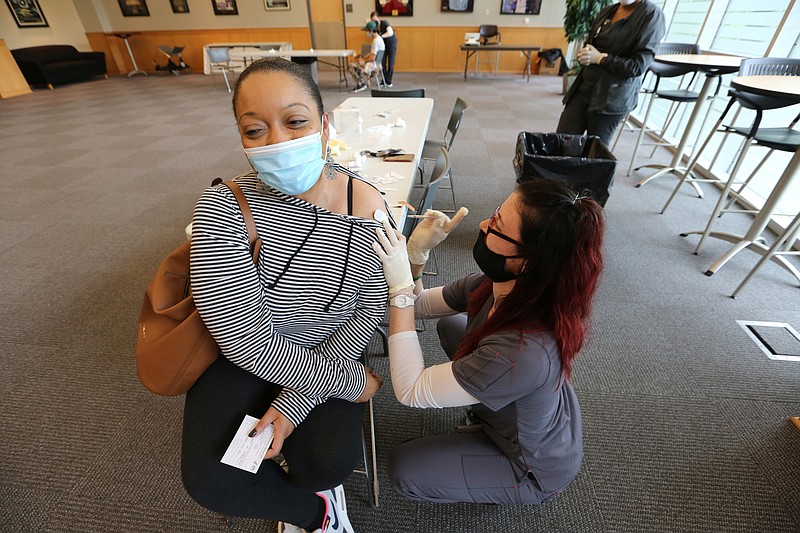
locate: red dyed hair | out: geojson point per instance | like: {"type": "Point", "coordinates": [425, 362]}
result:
{"type": "Point", "coordinates": [563, 237]}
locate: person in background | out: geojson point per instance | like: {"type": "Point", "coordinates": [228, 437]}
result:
{"type": "Point", "coordinates": [390, 42]}
{"type": "Point", "coordinates": [363, 66]}
{"type": "Point", "coordinates": [290, 333]}
{"type": "Point", "coordinates": [512, 333]}
{"type": "Point", "coordinates": [620, 48]}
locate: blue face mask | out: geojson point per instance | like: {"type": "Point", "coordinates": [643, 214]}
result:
{"type": "Point", "coordinates": [292, 167]}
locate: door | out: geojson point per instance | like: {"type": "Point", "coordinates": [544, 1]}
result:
{"type": "Point", "coordinates": [326, 21]}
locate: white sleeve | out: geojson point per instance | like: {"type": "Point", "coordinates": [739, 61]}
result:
{"type": "Point", "coordinates": [417, 386]}
{"type": "Point", "coordinates": [430, 304]}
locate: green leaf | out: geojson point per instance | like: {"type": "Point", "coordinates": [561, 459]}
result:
{"type": "Point", "coordinates": [579, 17]}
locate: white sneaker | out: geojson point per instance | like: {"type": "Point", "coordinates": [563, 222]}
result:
{"type": "Point", "coordinates": [390, 85]}
{"type": "Point", "coordinates": [360, 88]}
{"type": "Point", "coordinates": [336, 520]}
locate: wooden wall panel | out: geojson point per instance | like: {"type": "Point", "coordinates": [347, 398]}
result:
{"type": "Point", "coordinates": [420, 49]}
{"type": "Point", "coordinates": [145, 45]}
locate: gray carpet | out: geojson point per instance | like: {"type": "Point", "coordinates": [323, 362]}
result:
{"type": "Point", "coordinates": [685, 419]}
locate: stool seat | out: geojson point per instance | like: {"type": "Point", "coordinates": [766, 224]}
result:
{"type": "Point", "coordinates": [783, 139]}
{"type": "Point", "coordinates": [678, 95]}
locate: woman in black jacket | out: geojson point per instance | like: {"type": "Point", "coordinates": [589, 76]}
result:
{"type": "Point", "coordinates": [620, 48]}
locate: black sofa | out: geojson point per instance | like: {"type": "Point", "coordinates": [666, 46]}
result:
{"type": "Point", "coordinates": [56, 64]}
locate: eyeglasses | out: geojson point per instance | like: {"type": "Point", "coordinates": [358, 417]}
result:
{"type": "Point", "coordinates": [490, 229]}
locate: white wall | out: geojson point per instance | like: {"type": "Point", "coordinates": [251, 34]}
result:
{"type": "Point", "coordinates": [65, 27]}
{"type": "Point", "coordinates": [428, 13]}
{"type": "Point", "coordinates": [70, 19]}
{"type": "Point", "coordinates": [201, 16]}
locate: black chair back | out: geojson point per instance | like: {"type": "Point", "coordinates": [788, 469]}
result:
{"type": "Point", "coordinates": [489, 31]}
{"type": "Point", "coordinates": [455, 121]}
{"type": "Point", "coordinates": [770, 66]}
{"type": "Point", "coordinates": [407, 93]}
{"type": "Point", "coordinates": [764, 66]}
{"type": "Point", "coordinates": [670, 71]}
{"type": "Point", "coordinates": [440, 171]}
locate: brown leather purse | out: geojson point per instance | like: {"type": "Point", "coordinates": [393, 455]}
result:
{"type": "Point", "coordinates": [173, 345]}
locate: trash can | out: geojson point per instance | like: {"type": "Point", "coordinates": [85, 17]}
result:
{"type": "Point", "coordinates": [310, 63]}
{"type": "Point", "coordinates": [581, 161]}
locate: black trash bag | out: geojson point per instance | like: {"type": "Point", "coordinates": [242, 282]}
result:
{"type": "Point", "coordinates": [581, 161]}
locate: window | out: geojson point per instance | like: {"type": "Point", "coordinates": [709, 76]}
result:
{"type": "Point", "coordinates": [747, 27]}
{"type": "Point", "coordinates": [687, 20]}
{"type": "Point", "coordinates": [738, 27]}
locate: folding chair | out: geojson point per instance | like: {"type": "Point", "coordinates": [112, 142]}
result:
{"type": "Point", "coordinates": [431, 148]}
{"type": "Point", "coordinates": [220, 60]}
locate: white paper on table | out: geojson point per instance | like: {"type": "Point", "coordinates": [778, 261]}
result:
{"type": "Point", "coordinates": [246, 452]}
{"type": "Point", "coordinates": [381, 131]}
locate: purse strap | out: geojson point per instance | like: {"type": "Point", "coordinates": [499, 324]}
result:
{"type": "Point", "coordinates": [250, 223]}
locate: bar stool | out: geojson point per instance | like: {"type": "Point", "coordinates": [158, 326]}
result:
{"type": "Point", "coordinates": [656, 68]}
{"type": "Point", "coordinates": [661, 49]}
{"type": "Point", "coordinates": [784, 139]}
{"type": "Point", "coordinates": [681, 95]}
{"type": "Point", "coordinates": [782, 246]}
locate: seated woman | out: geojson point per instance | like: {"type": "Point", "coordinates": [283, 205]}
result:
{"type": "Point", "coordinates": [521, 324]}
{"type": "Point", "coordinates": [290, 333]}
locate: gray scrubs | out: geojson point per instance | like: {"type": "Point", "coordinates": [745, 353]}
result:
{"type": "Point", "coordinates": [528, 444]}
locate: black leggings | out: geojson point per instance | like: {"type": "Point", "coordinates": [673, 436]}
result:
{"type": "Point", "coordinates": [388, 58]}
{"type": "Point", "coordinates": [321, 452]}
{"type": "Point", "coordinates": [577, 119]}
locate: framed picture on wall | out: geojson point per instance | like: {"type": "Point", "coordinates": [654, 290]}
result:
{"type": "Point", "coordinates": [520, 7]}
{"type": "Point", "coordinates": [394, 8]}
{"type": "Point", "coordinates": [27, 13]}
{"type": "Point", "coordinates": [134, 8]}
{"type": "Point", "coordinates": [225, 7]}
{"type": "Point", "coordinates": [179, 6]}
{"type": "Point", "coordinates": [457, 6]}
{"type": "Point", "coordinates": [277, 5]}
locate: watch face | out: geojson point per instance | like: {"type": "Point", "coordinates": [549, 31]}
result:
{"type": "Point", "coordinates": [401, 301]}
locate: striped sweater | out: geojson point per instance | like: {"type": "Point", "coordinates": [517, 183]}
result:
{"type": "Point", "coordinates": [303, 317]}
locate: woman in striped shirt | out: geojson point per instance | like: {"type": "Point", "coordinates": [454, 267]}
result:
{"type": "Point", "coordinates": [291, 329]}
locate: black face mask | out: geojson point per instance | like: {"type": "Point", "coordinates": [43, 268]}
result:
{"type": "Point", "coordinates": [491, 263]}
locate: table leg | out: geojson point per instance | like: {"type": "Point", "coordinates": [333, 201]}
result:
{"type": "Point", "coordinates": [342, 61]}
{"type": "Point", "coordinates": [466, 64]}
{"type": "Point", "coordinates": [527, 64]}
{"type": "Point", "coordinates": [752, 238]}
{"type": "Point", "coordinates": [674, 166]}
{"type": "Point", "coordinates": [133, 60]}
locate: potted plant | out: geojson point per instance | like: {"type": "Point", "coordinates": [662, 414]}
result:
{"type": "Point", "coordinates": [577, 21]}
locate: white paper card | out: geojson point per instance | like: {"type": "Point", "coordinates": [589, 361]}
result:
{"type": "Point", "coordinates": [245, 452]}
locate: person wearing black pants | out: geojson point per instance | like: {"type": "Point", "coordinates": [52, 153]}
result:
{"type": "Point", "coordinates": [322, 451]}
{"type": "Point", "coordinates": [621, 46]}
{"type": "Point", "coordinates": [390, 41]}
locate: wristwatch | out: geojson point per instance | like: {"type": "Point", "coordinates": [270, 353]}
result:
{"type": "Point", "coordinates": [401, 301]}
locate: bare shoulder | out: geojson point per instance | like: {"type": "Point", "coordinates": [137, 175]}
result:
{"type": "Point", "coordinates": [366, 199]}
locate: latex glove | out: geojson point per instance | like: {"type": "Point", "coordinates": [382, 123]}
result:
{"type": "Point", "coordinates": [589, 55]}
{"type": "Point", "coordinates": [391, 249]}
{"type": "Point", "coordinates": [430, 232]}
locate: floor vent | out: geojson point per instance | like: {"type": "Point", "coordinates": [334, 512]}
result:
{"type": "Point", "coordinates": [777, 340]}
